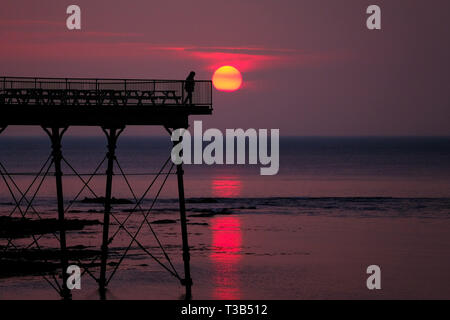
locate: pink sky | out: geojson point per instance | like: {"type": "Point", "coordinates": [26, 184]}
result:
{"type": "Point", "coordinates": [309, 67]}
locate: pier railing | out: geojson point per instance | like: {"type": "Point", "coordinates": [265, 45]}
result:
{"type": "Point", "coordinates": [83, 91]}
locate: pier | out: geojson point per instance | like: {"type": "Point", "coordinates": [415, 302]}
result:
{"type": "Point", "coordinates": [55, 104]}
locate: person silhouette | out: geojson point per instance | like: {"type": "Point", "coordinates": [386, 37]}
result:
{"type": "Point", "coordinates": [189, 86]}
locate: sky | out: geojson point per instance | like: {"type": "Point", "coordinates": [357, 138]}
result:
{"type": "Point", "coordinates": [309, 68]}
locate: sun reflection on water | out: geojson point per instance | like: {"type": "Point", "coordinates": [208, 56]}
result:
{"type": "Point", "coordinates": [226, 187]}
{"type": "Point", "coordinates": [226, 243]}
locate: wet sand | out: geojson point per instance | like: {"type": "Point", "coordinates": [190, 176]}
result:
{"type": "Point", "coordinates": [260, 256]}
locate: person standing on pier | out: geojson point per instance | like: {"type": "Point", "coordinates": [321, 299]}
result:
{"type": "Point", "coordinates": [189, 86]}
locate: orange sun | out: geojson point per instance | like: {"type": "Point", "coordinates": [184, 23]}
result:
{"type": "Point", "coordinates": [227, 78]}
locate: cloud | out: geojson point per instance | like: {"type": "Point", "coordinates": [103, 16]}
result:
{"type": "Point", "coordinates": [258, 58]}
{"type": "Point", "coordinates": [214, 57]}
{"type": "Point", "coordinates": [34, 44]}
{"type": "Point", "coordinates": [250, 58]}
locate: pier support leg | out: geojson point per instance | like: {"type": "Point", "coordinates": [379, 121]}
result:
{"type": "Point", "coordinates": [112, 134]}
{"type": "Point", "coordinates": [187, 281]}
{"type": "Point", "coordinates": [56, 135]}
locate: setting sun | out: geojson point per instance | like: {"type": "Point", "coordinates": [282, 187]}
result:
{"type": "Point", "coordinates": [227, 78]}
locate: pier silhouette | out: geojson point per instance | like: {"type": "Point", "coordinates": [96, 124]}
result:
{"type": "Point", "coordinates": [55, 104]}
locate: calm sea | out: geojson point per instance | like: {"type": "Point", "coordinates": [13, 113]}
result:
{"type": "Point", "coordinates": [309, 167]}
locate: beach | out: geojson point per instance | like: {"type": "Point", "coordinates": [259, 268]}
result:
{"type": "Point", "coordinates": [286, 258]}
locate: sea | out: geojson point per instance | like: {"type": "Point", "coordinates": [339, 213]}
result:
{"type": "Point", "coordinates": [337, 205]}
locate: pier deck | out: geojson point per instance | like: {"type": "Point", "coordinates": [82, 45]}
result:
{"type": "Point", "coordinates": [100, 102]}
